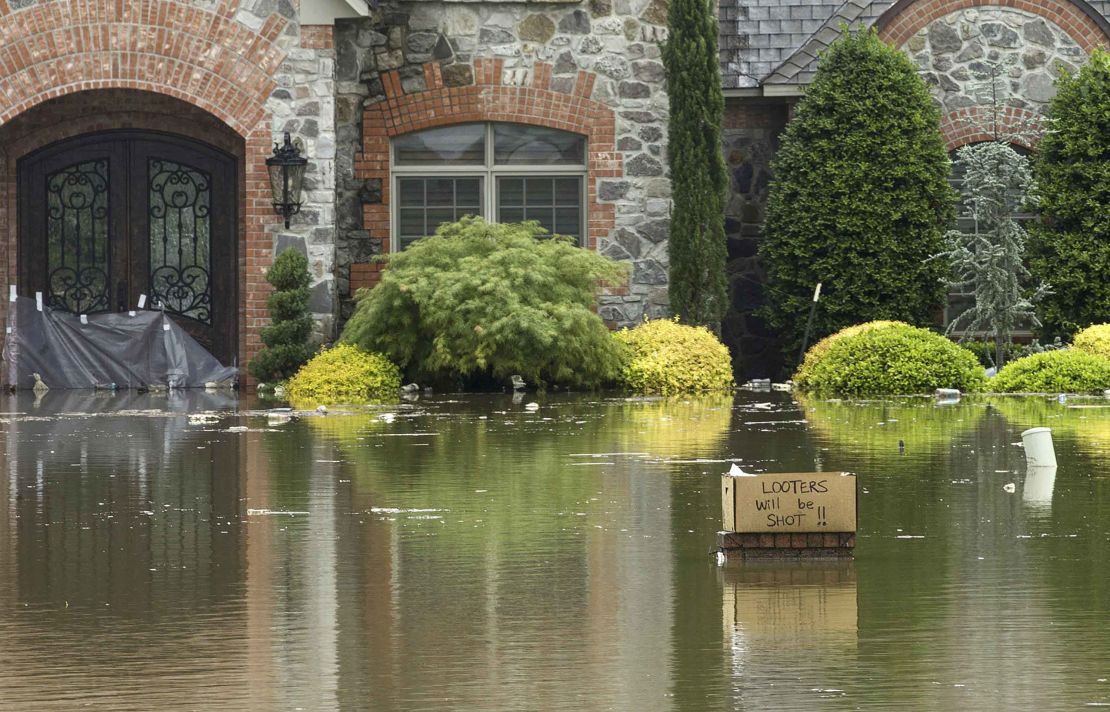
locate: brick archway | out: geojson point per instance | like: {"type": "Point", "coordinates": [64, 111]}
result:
{"type": "Point", "coordinates": [1082, 23]}
{"type": "Point", "coordinates": [488, 98]}
{"type": "Point", "coordinates": [203, 56]}
{"type": "Point", "coordinates": [965, 126]}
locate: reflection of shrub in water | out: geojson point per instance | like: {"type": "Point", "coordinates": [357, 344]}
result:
{"type": "Point", "coordinates": [922, 425]}
{"type": "Point", "coordinates": [1089, 427]}
{"type": "Point", "coordinates": [688, 427]}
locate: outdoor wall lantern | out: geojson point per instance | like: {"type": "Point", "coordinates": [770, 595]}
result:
{"type": "Point", "coordinates": [287, 168]}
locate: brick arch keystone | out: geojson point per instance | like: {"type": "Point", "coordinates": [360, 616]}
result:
{"type": "Point", "coordinates": [487, 99]}
{"type": "Point", "coordinates": [1084, 24]}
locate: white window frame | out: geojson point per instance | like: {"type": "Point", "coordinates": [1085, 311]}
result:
{"type": "Point", "coordinates": [488, 173]}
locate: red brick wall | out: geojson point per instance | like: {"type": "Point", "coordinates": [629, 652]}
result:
{"type": "Point", "coordinates": [485, 100]}
{"type": "Point", "coordinates": [202, 57]}
{"type": "Point", "coordinates": [902, 21]}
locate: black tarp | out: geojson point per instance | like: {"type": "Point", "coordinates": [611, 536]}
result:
{"type": "Point", "coordinates": [129, 349]}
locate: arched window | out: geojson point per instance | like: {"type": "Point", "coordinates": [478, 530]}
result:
{"type": "Point", "coordinates": [503, 172]}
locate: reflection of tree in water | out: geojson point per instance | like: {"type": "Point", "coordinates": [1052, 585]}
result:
{"type": "Point", "coordinates": [534, 553]}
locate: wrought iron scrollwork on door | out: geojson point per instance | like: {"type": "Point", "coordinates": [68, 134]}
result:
{"type": "Point", "coordinates": [180, 239]}
{"type": "Point", "coordinates": [78, 244]}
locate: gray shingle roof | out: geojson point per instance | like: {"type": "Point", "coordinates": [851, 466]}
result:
{"type": "Point", "coordinates": [777, 42]}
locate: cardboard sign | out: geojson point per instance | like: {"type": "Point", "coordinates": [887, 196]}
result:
{"type": "Point", "coordinates": [789, 502]}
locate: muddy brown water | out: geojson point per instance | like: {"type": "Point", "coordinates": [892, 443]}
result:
{"type": "Point", "coordinates": [463, 552]}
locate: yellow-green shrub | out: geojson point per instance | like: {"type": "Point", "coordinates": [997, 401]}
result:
{"type": "Point", "coordinates": [897, 359]}
{"type": "Point", "coordinates": [817, 351]}
{"type": "Point", "coordinates": [1094, 340]}
{"type": "Point", "coordinates": [1062, 371]}
{"type": "Point", "coordinates": [665, 357]}
{"type": "Point", "coordinates": [344, 374]}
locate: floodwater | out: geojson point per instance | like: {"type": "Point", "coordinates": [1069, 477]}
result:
{"type": "Point", "coordinates": [468, 553]}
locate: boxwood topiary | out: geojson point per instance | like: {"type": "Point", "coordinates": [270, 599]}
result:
{"type": "Point", "coordinates": [344, 374]}
{"type": "Point", "coordinates": [664, 357]}
{"type": "Point", "coordinates": [1094, 340]}
{"type": "Point", "coordinates": [896, 359]}
{"type": "Point", "coordinates": [1064, 371]}
{"type": "Point", "coordinates": [286, 339]}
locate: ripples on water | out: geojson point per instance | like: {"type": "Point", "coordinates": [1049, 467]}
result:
{"type": "Point", "coordinates": [465, 553]}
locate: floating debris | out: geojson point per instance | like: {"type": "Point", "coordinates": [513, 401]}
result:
{"type": "Point", "coordinates": [272, 512]}
{"type": "Point", "coordinates": [203, 418]}
{"type": "Point", "coordinates": [1009, 487]}
{"type": "Point", "coordinates": [533, 406]}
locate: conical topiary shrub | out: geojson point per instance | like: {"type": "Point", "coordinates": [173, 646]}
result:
{"type": "Point", "coordinates": [286, 340]}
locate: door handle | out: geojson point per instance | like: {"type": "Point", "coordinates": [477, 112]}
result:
{"type": "Point", "coordinates": [121, 296]}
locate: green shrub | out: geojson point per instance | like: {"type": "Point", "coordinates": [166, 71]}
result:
{"type": "Point", "coordinates": [480, 301]}
{"type": "Point", "coordinates": [1064, 371]}
{"type": "Point", "coordinates": [1094, 340]}
{"type": "Point", "coordinates": [343, 374]}
{"type": "Point", "coordinates": [286, 340]}
{"type": "Point", "coordinates": [1070, 248]}
{"type": "Point", "coordinates": [664, 357]}
{"type": "Point", "coordinates": [817, 352]}
{"type": "Point", "coordinates": [860, 198]}
{"type": "Point", "coordinates": [897, 359]}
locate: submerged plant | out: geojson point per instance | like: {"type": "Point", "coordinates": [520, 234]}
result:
{"type": "Point", "coordinates": [665, 357]}
{"type": "Point", "coordinates": [482, 301]}
{"type": "Point", "coordinates": [896, 359]}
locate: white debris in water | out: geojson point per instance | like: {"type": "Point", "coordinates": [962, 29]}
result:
{"type": "Point", "coordinates": [387, 417]}
{"type": "Point", "coordinates": [203, 418]}
{"type": "Point", "coordinates": [910, 536]}
{"type": "Point", "coordinates": [237, 429]}
{"type": "Point", "coordinates": [1009, 487]}
{"type": "Point", "coordinates": [269, 512]}
{"type": "Point", "coordinates": [533, 406]}
{"type": "Point", "coordinates": [399, 510]}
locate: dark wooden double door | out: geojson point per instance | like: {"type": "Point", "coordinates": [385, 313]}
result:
{"type": "Point", "coordinates": [107, 218]}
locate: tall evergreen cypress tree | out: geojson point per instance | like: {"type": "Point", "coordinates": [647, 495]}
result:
{"type": "Point", "coordinates": [698, 177]}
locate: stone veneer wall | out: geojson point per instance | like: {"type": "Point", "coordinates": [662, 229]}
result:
{"type": "Point", "coordinates": [750, 133]}
{"type": "Point", "coordinates": [539, 61]}
{"type": "Point", "coordinates": [972, 57]}
{"type": "Point", "coordinates": [304, 105]}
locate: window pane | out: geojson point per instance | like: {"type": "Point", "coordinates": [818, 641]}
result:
{"type": "Point", "coordinates": [511, 191]}
{"type": "Point", "coordinates": [544, 216]}
{"type": "Point", "coordinates": [411, 222]}
{"type": "Point", "coordinates": [511, 215]}
{"type": "Point", "coordinates": [538, 191]}
{"type": "Point", "coordinates": [515, 144]}
{"type": "Point", "coordinates": [441, 191]}
{"type": "Point", "coordinates": [567, 191]}
{"type": "Point", "coordinates": [467, 194]}
{"type": "Point", "coordinates": [438, 216]}
{"type": "Point", "coordinates": [412, 192]}
{"type": "Point", "coordinates": [463, 144]}
{"type": "Point", "coordinates": [567, 221]}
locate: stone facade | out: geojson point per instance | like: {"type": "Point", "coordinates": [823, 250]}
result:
{"type": "Point", "coordinates": [987, 56]}
{"type": "Point", "coordinates": [303, 104]}
{"type": "Point", "coordinates": [593, 68]}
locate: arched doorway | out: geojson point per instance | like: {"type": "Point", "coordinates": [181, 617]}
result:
{"type": "Point", "coordinates": [108, 217]}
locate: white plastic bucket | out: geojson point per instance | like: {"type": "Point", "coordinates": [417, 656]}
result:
{"type": "Point", "coordinates": [1038, 447]}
